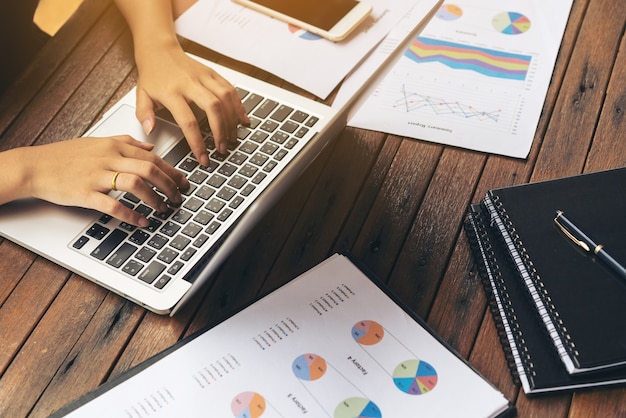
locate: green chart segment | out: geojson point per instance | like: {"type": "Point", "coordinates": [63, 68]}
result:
{"type": "Point", "coordinates": [415, 377]}
{"type": "Point", "coordinates": [357, 408]}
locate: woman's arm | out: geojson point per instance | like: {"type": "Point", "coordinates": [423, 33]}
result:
{"type": "Point", "coordinates": [168, 77]}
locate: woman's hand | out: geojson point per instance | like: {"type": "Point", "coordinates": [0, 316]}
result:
{"type": "Point", "coordinates": [169, 77]}
{"type": "Point", "coordinates": [80, 172]}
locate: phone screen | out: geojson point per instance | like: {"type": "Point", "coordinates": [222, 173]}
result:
{"type": "Point", "coordinates": [323, 14]}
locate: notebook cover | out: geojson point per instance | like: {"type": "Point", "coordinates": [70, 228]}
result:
{"type": "Point", "coordinates": [532, 359]}
{"type": "Point", "coordinates": [585, 300]}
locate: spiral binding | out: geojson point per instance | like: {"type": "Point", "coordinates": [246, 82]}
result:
{"type": "Point", "coordinates": [494, 287]}
{"type": "Point", "coordinates": [564, 343]}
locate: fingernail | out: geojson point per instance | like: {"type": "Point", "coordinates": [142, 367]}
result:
{"type": "Point", "coordinates": [204, 160]}
{"type": "Point", "coordinates": [147, 126]}
{"type": "Point", "coordinates": [143, 222]}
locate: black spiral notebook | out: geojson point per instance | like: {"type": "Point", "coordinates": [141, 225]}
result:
{"type": "Point", "coordinates": [577, 301]}
{"type": "Point", "coordinates": [530, 353]}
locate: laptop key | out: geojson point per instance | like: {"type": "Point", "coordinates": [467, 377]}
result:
{"type": "Point", "coordinates": [122, 254]}
{"type": "Point", "coordinates": [97, 231]}
{"type": "Point", "coordinates": [109, 244]}
{"type": "Point", "coordinates": [132, 267]}
{"type": "Point", "coordinates": [150, 273]}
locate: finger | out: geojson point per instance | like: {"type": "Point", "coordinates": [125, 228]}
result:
{"type": "Point", "coordinates": [106, 204]}
{"type": "Point", "coordinates": [145, 111]}
{"type": "Point", "coordinates": [132, 183]}
{"type": "Point", "coordinates": [127, 139]}
{"type": "Point", "coordinates": [230, 96]}
{"type": "Point", "coordinates": [147, 172]}
{"type": "Point", "coordinates": [188, 123]}
{"type": "Point", "coordinates": [138, 177]}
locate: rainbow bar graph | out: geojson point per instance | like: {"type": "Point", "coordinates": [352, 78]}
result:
{"type": "Point", "coordinates": [488, 62]}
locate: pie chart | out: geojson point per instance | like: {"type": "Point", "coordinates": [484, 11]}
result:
{"type": "Point", "coordinates": [415, 377]}
{"type": "Point", "coordinates": [367, 332]}
{"type": "Point", "coordinates": [357, 408]}
{"type": "Point", "coordinates": [309, 367]}
{"type": "Point", "coordinates": [511, 23]}
{"type": "Point", "coordinates": [449, 12]}
{"type": "Point", "coordinates": [248, 405]}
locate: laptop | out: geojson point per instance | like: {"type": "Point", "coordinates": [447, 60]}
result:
{"type": "Point", "coordinates": [158, 267]}
{"type": "Point", "coordinates": [162, 266]}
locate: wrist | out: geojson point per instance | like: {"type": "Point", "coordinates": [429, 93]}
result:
{"type": "Point", "coordinates": [16, 174]}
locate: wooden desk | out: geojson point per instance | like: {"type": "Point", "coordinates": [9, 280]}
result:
{"type": "Point", "coordinates": [397, 204]}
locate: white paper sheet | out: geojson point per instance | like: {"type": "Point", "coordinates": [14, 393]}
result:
{"type": "Point", "coordinates": [476, 76]}
{"type": "Point", "coordinates": [329, 344]}
{"type": "Point", "coordinates": [308, 61]}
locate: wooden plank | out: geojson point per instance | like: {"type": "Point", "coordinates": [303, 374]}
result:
{"type": "Point", "coordinates": [88, 359]}
{"type": "Point", "coordinates": [14, 261]}
{"type": "Point", "coordinates": [609, 144]}
{"type": "Point", "coordinates": [327, 207]}
{"type": "Point", "coordinates": [392, 213]}
{"type": "Point", "coordinates": [576, 114]}
{"type": "Point", "coordinates": [48, 345]}
{"type": "Point", "coordinates": [34, 118]}
{"type": "Point", "coordinates": [18, 96]}
{"type": "Point", "coordinates": [28, 301]}
{"type": "Point", "coordinates": [422, 260]}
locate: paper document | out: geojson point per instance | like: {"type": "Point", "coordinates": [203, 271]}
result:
{"type": "Point", "coordinates": [299, 57]}
{"type": "Point", "coordinates": [330, 343]}
{"type": "Point", "coordinates": [476, 76]}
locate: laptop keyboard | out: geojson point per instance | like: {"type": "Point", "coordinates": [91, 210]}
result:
{"type": "Point", "coordinates": [176, 240]}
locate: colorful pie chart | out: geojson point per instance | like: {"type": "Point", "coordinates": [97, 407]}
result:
{"type": "Point", "coordinates": [415, 377]}
{"type": "Point", "coordinates": [248, 405]}
{"type": "Point", "coordinates": [357, 408]}
{"type": "Point", "coordinates": [511, 23]}
{"type": "Point", "coordinates": [309, 367]}
{"type": "Point", "coordinates": [449, 12]}
{"type": "Point", "coordinates": [367, 332]}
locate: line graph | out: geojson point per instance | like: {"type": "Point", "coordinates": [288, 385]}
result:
{"type": "Point", "coordinates": [439, 106]}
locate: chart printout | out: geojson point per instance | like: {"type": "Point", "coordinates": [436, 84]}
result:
{"type": "Point", "coordinates": [476, 77]}
{"type": "Point", "coordinates": [328, 344]}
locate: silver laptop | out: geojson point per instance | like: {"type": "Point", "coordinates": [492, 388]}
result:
{"type": "Point", "coordinates": [158, 267]}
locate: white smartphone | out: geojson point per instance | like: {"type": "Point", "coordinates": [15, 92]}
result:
{"type": "Point", "coordinates": [331, 19]}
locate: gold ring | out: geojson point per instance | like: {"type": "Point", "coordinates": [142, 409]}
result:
{"type": "Point", "coordinates": [113, 185]}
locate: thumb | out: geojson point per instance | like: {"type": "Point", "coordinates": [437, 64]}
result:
{"type": "Point", "coordinates": [145, 111]}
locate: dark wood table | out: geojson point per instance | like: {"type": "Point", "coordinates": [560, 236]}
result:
{"type": "Point", "coordinates": [396, 204]}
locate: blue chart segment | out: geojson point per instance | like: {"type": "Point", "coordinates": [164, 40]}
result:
{"type": "Point", "coordinates": [357, 408]}
{"type": "Point", "coordinates": [309, 367]}
{"type": "Point", "coordinates": [414, 101]}
{"type": "Point", "coordinates": [415, 377]}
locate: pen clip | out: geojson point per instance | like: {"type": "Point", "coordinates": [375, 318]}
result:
{"type": "Point", "coordinates": [563, 229]}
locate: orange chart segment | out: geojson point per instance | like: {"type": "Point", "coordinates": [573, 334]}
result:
{"type": "Point", "coordinates": [367, 332]}
{"type": "Point", "coordinates": [248, 405]}
{"type": "Point", "coordinates": [309, 367]}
